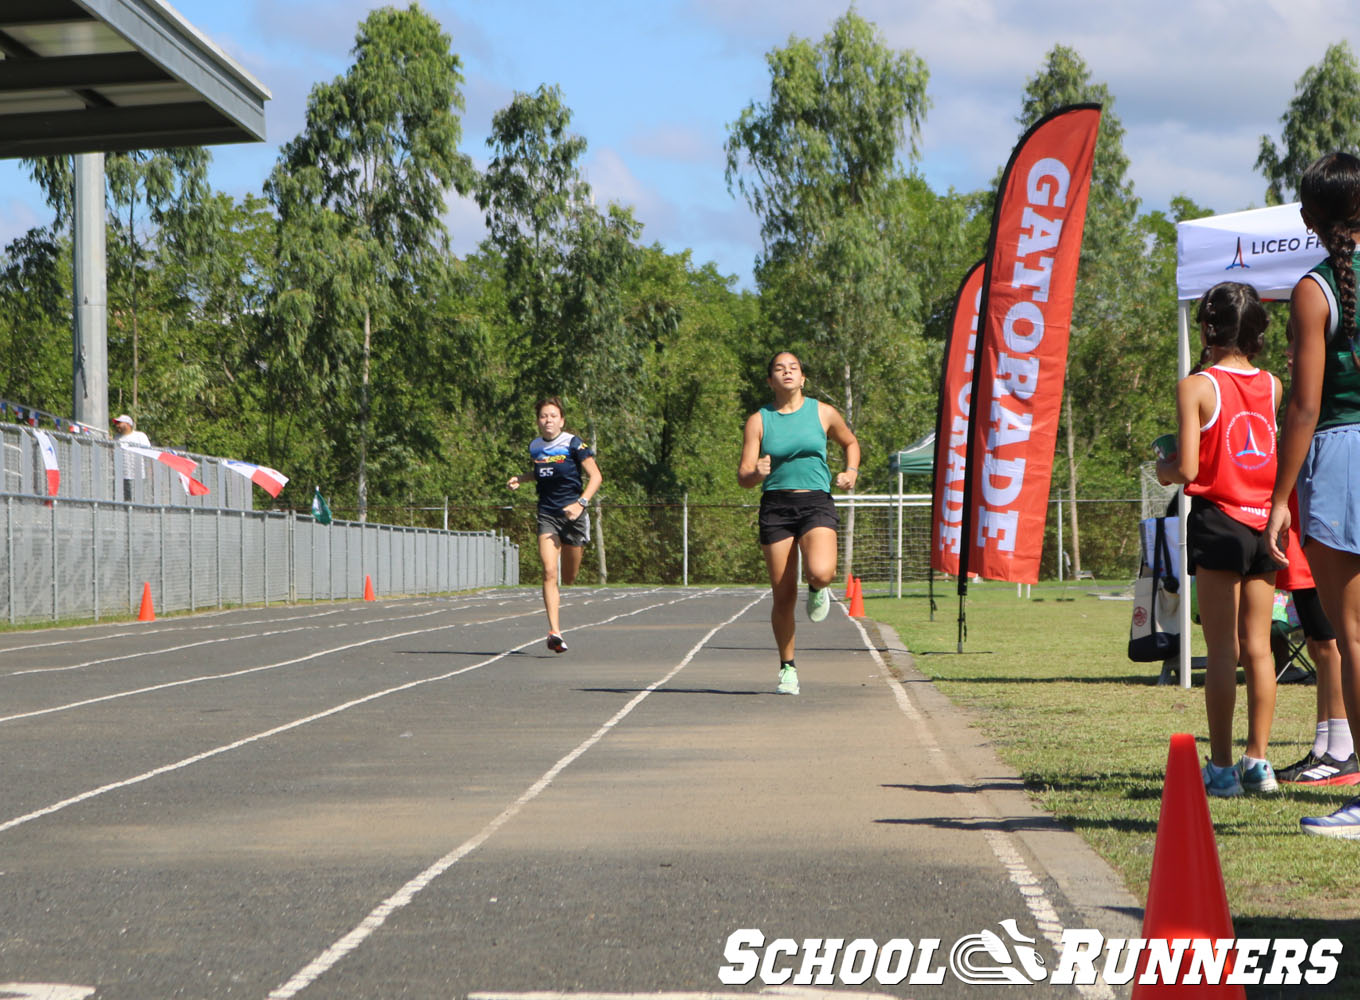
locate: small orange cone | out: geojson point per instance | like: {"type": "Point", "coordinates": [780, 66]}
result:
{"type": "Point", "coordinates": [849, 589]}
{"type": "Point", "coordinates": [857, 598]}
{"type": "Point", "coordinates": [147, 612]}
{"type": "Point", "coordinates": [368, 588]}
{"type": "Point", "coordinates": [1186, 897]}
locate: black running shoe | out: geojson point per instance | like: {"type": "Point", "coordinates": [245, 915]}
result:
{"type": "Point", "coordinates": [556, 643]}
{"type": "Point", "coordinates": [1292, 772]}
{"type": "Point", "coordinates": [1330, 771]}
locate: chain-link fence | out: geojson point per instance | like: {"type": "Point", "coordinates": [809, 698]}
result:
{"type": "Point", "coordinates": [712, 542]}
{"type": "Point", "coordinates": [67, 559]}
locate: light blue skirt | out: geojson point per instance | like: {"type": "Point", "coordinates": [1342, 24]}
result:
{"type": "Point", "coordinates": [1329, 489]}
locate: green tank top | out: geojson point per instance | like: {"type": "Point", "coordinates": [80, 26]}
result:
{"type": "Point", "coordinates": [796, 444]}
{"type": "Point", "coordinates": [1340, 403]}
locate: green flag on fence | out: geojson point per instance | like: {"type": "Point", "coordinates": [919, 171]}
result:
{"type": "Point", "coordinates": [321, 510]}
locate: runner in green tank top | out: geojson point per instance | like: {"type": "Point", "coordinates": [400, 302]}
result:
{"type": "Point", "coordinates": [1319, 448]}
{"type": "Point", "coordinates": [784, 452]}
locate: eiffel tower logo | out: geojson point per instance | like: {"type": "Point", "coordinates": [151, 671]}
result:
{"type": "Point", "coordinates": [1251, 449]}
{"type": "Point", "coordinates": [1237, 260]}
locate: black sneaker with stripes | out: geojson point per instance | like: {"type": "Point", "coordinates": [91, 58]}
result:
{"type": "Point", "coordinates": [1327, 770]}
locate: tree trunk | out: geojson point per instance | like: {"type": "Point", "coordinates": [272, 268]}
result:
{"type": "Point", "coordinates": [1072, 489]}
{"type": "Point", "coordinates": [849, 557]}
{"type": "Point", "coordinates": [599, 515]}
{"type": "Point", "coordinates": [363, 419]}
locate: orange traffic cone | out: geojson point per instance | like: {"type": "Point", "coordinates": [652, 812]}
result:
{"type": "Point", "coordinates": [147, 612]}
{"type": "Point", "coordinates": [1186, 897]}
{"type": "Point", "coordinates": [368, 588]}
{"type": "Point", "coordinates": [857, 598]}
{"type": "Point", "coordinates": [849, 589]}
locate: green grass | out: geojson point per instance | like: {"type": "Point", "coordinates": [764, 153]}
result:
{"type": "Point", "coordinates": [1050, 684]}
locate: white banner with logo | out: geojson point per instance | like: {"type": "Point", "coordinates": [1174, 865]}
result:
{"type": "Point", "coordinates": [1268, 248]}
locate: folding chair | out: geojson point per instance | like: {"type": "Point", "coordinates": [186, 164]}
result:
{"type": "Point", "coordinates": [1289, 644]}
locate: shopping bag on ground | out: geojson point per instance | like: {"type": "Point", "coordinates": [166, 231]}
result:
{"type": "Point", "coordinates": [1154, 632]}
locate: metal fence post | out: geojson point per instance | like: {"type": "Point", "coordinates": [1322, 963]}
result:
{"type": "Point", "coordinates": [217, 560]}
{"type": "Point", "coordinates": [55, 588]}
{"type": "Point", "coordinates": [9, 553]}
{"type": "Point", "coordinates": [292, 562]}
{"type": "Point", "coordinates": [127, 536]}
{"type": "Point", "coordinates": [94, 556]}
{"type": "Point", "coordinates": [161, 595]}
{"type": "Point", "coordinates": [685, 532]}
{"type": "Point", "coordinates": [190, 515]}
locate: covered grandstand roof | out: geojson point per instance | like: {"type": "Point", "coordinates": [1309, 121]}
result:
{"type": "Point", "coordinates": [115, 75]}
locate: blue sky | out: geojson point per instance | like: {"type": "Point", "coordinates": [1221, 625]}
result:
{"type": "Point", "coordinates": [653, 85]}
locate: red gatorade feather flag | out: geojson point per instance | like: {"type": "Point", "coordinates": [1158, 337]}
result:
{"type": "Point", "coordinates": [951, 425]}
{"type": "Point", "coordinates": [1021, 360]}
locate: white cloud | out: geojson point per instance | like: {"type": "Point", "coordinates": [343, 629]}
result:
{"type": "Point", "coordinates": [678, 144]}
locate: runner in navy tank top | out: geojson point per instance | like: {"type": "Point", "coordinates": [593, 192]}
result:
{"type": "Point", "coordinates": [558, 459]}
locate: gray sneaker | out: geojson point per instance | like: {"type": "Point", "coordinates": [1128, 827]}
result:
{"type": "Point", "coordinates": [818, 603]}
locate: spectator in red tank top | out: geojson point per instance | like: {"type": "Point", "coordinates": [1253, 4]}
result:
{"type": "Point", "coordinates": [1226, 457]}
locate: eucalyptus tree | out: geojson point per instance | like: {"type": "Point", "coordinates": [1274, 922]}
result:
{"type": "Point", "coordinates": [1324, 116]}
{"type": "Point", "coordinates": [566, 268]}
{"type": "Point", "coordinates": [364, 184]}
{"type": "Point", "coordinates": [35, 325]}
{"type": "Point", "coordinates": [818, 162]}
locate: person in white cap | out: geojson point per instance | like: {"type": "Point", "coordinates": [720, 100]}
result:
{"type": "Point", "coordinates": [125, 432]}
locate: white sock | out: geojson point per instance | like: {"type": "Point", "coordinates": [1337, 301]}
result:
{"type": "Point", "coordinates": [1320, 740]}
{"type": "Point", "coordinates": [1339, 744]}
{"type": "Point", "coordinates": [1249, 762]}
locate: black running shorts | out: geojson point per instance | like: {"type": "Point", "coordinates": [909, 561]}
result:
{"type": "Point", "coordinates": [1311, 616]}
{"type": "Point", "coordinates": [793, 513]}
{"type": "Point", "coordinates": [1216, 541]}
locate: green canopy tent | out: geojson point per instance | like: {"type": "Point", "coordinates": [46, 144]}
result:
{"type": "Point", "coordinates": [915, 459]}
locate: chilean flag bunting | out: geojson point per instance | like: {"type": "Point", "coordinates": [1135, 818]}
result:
{"type": "Point", "coordinates": [267, 479]}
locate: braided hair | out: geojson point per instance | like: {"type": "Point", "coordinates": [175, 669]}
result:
{"type": "Point", "coordinates": [1329, 191]}
{"type": "Point", "coordinates": [1233, 318]}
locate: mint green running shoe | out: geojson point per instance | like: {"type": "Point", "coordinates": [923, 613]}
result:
{"type": "Point", "coordinates": [818, 603]}
{"type": "Point", "coordinates": [1259, 778]}
{"type": "Point", "coordinates": [788, 680]}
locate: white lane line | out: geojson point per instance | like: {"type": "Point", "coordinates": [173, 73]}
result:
{"type": "Point", "coordinates": [142, 630]}
{"type": "Point", "coordinates": [256, 635]}
{"type": "Point", "coordinates": [142, 654]}
{"type": "Point", "coordinates": [786, 992]}
{"type": "Point", "coordinates": [375, 919]}
{"type": "Point", "coordinates": [185, 681]}
{"type": "Point", "coordinates": [1004, 846]}
{"type": "Point", "coordinates": [334, 710]}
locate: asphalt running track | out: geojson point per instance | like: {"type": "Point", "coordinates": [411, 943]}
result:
{"type": "Point", "coordinates": [414, 798]}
